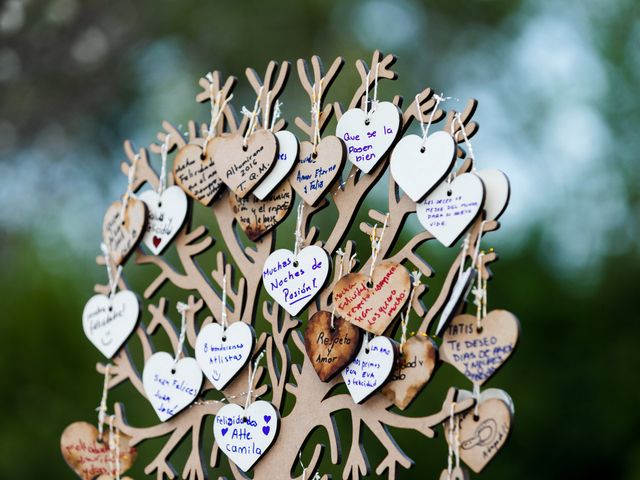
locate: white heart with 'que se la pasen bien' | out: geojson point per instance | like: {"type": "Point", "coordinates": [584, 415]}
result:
{"type": "Point", "coordinates": [222, 353]}
{"type": "Point", "coordinates": [496, 192]}
{"type": "Point", "coordinates": [287, 155]}
{"type": "Point", "coordinates": [245, 435]}
{"type": "Point", "coordinates": [170, 387]}
{"type": "Point", "coordinates": [166, 214]}
{"type": "Point", "coordinates": [108, 322]}
{"type": "Point", "coordinates": [448, 211]}
{"type": "Point", "coordinates": [370, 369]}
{"type": "Point", "coordinates": [293, 281]}
{"type": "Point", "coordinates": [417, 166]}
{"type": "Point", "coordinates": [369, 137]}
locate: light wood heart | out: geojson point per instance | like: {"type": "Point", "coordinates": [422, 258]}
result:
{"type": "Point", "coordinates": [374, 307]}
{"type": "Point", "coordinates": [371, 368]}
{"type": "Point", "coordinates": [497, 192]}
{"type": "Point", "coordinates": [479, 354]}
{"type": "Point", "coordinates": [313, 176]}
{"type": "Point", "coordinates": [330, 349]}
{"type": "Point", "coordinates": [89, 456]}
{"type": "Point", "coordinates": [167, 213]}
{"type": "Point", "coordinates": [197, 176]}
{"type": "Point", "coordinates": [287, 155]}
{"type": "Point", "coordinates": [122, 236]}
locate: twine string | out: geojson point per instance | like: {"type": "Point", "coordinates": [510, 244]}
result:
{"type": "Point", "coordinates": [102, 408]}
{"type": "Point", "coordinates": [182, 310]}
{"type": "Point", "coordinates": [252, 378]}
{"type": "Point", "coordinates": [164, 149]}
{"type": "Point", "coordinates": [253, 115]}
{"type": "Point", "coordinates": [376, 244]}
{"type": "Point", "coordinates": [129, 193]}
{"type": "Point", "coordinates": [299, 241]}
{"type": "Point", "coordinates": [405, 316]}
{"type": "Point", "coordinates": [316, 106]}
{"type": "Point", "coordinates": [113, 280]}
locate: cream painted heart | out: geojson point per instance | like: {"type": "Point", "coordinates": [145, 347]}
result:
{"type": "Point", "coordinates": [478, 354]}
{"type": "Point", "coordinates": [123, 235]}
{"type": "Point", "coordinates": [108, 322]}
{"type": "Point", "coordinates": [313, 176]}
{"type": "Point", "coordinates": [287, 156]}
{"type": "Point", "coordinates": [196, 175]}
{"type": "Point", "coordinates": [374, 307]}
{"type": "Point", "coordinates": [368, 139]}
{"type": "Point", "coordinates": [459, 294]}
{"type": "Point", "coordinates": [417, 166]}
{"type": "Point", "coordinates": [245, 435]}
{"type": "Point", "coordinates": [370, 369]}
{"type": "Point", "coordinates": [222, 353]}
{"type": "Point", "coordinates": [497, 192]}
{"type": "Point", "coordinates": [448, 210]}
{"type": "Point", "coordinates": [167, 213]}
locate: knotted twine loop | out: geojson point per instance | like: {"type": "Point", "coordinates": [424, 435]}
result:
{"type": "Point", "coordinates": [252, 377]}
{"type": "Point", "coordinates": [316, 106]}
{"type": "Point", "coordinates": [299, 241]}
{"type": "Point", "coordinates": [102, 408]}
{"type": "Point", "coordinates": [465, 249]}
{"type": "Point", "coordinates": [476, 396]}
{"type": "Point", "coordinates": [466, 139]}
{"type": "Point", "coordinates": [405, 316]}
{"type": "Point", "coordinates": [425, 129]}
{"type": "Point", "coordinates": [114, 449]}
{"type": "Point", "coordinates": [376, 244]}
{"type": "Point", "coordinates": [316, 476]}
{"type": "Point", "coordinates": [276, 114]}
{"type": "Point", "coordinates": [480, 291]}
{"type": "Point", "coordinates": [374, 103]}
{"type": "Point", "coordinates": [162, 181]}
{"type": "Point", "coordinates": [129, 193]}
{"type": "Point", "coordinates": [454, 441]}
{"type": "Point", "coordinates": [223, 313]}
{"type": "Point", "coordinates": [253, 116]}
{"type": "Point", "coordinates": [113, 281]}
{"type": "Point", "coordinates": [339, 253]}
{"type": "Point", "coordinates": [182, 310]}
{"type": "Point", "coordinates": [217, 110]}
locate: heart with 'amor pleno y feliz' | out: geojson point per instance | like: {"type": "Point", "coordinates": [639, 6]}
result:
{"type": "Point", "coordinates": [167, 213]}
{"type": "Point", "coordinates": [371, 368]}
{"type": "Point", "coordinates": [120, 235]}
{"type": "Point", "coordinates": [196, 173]}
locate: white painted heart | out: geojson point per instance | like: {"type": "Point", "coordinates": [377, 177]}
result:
{"type": "Point", "coordinates": [417, 166]}
{"type": "Point", "coordinates": [108, 322]}
{"type": "Point", "coordinates": [287, 155]}
{"type": "Point", "coordinates": [221, 353]}
{"type": "Point", "coordinates": [497, 192]}
{"type": "Point", "coordinates": [170, 388]}
{"type": "Point", "coordinates": [293, 281]}
{"type": "Point", "coordinates": [459, 293]}
{"type": "Point", "coordinates": [245, 435]}
{"type": "Point", "coordinates": [368, 141]}
{"type": "Point", "coordinates": [166, 214]}
{"type": "Point", "coordinates": [370, 369]}
{"type": "Point", "coordinates": [448, 211]}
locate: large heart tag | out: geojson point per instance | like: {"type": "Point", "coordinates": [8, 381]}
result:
{"type": "Point", "coordinates": [89, 456]}
{"type": "Point", "coordinates": [287, 156]}
{"type": "Point", "coordinates": [169, 387]}
{"type": "Point", "coordinates": [122, 235]}
{"type": "Point", "coordinates": [459, 294]}
{"type": "Point", "coordinates": [448, 210]}
{"type": "Point", "coordinates": [369, 139]}
{"type": "Point", "coordinates": [108, 322]}
{"type": "Point", "coordinates": [293, 281]}
{"type": "Point", "coordinates": [313, 176]}
{"type": "Point", "coordinates": [418, 167]}
{"type": "Point", "coordinates": [245, 435]}
{"type": "Point", "coordinates": [330, 349]}
{"type": "Point", "coordinates": [413, 371]}
{"type": "Point", "coordinates": [196, 175]}
{"type": "Point", "coordinates": [242, 167]}
{"type": "Point", "coordinates": [497, 192]}
{"type": "Point", "coordinates": [373, 307]}
{"type": "Point", "coordinates": [257, 217]}
{"type": "Point", "coordinates": [370, 369]}
{"type": "Point", "coordinates": [221, 354]}
{"type": "Point", "coordinates": [479, 354]}
{"type": "Point", "coordinates": [167, 213]}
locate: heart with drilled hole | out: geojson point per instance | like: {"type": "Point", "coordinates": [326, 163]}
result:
{"type": "Point", "coordinates": [122, 235]}
{"type": "Point", "coordinates": [166, 215]}
{"type": "Point", "coordinates": [371, 368]}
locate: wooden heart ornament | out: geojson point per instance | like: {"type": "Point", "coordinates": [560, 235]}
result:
{"type": "Point", "coordinates": [497, 192]}
{"type": "Point", "coordinates": [479, 354]}
{"type": "Point", "coordinates": [287, 155]}
{"type": "Point", "coordinates": [371, 368]}
{"type": "Point", "coordinates": [330, 349]}
{"type": "Point", "coordinates": [373, 307]}
{"type": "Point", "coordinates": [245, 435]}
{"type": "Point", "coordinates": [196, 173]}
{"type": "Point", "coordinates": [123, 235]}
{"type": "Point", "coordinates": [89, 456]}
{"type": "Point", "coordinates": [167, 213]}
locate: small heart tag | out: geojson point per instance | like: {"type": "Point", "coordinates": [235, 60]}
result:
{"type": "Point", "coordinates": [197, 176]}
{"type": "Point", "coordinates": [166, 216]}
{"type": "Point", "coordinates": [368, 140]}
{"type": "Point", "coordinates": [287, 155]}
{"type": "Point", "coordinates": [245, 435]}
{"type": "Point", "coordinates": [448, 210]}
{"type": "Point", "coordinates": [170, 388]}
{"type": "Point", "coordinates": [370, 369]}
{"type": "Point", "coordinates": [330, 349]}
{"type": "Point", "coordinates": [459, 294]}
{"type": "Point", "coordinates": [221, 354]}
{"type": "Point", "coordinates": [122, 236]}
{"type": "Point", "coordinates": [373, 308]}
{"type": "Point", "coordinates": [107, 323]}
{"type": "Point", "coordinates": [293, 281]}
{"type": "Point", "coordinates": [496, 192]}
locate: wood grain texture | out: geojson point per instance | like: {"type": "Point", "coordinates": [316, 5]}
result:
{"type": "Point", "coordinates": [122, 235]}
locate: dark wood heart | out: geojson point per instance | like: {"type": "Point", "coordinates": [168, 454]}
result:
{"type": "Point", "coordinates": [197, 176]}
{"type": "Point", "coordinates": [121, 237]}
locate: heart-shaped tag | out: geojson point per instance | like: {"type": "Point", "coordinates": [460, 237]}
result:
{"type": "Point", "coordinates": [479, 354]}
{"type": "Point", "coordinates": [221, 354]}
{"type": "Point", "coordinates": [417, 168]}
{"type": "Point", "coordinates": [448, 210]}
{"type": "Point", "coordinates": [373, 307]}
{"type": "Point", "coordinates": [245, 435]}
{"type": "Point", "coordinates": [169, 387]}
{"type": "Point", "coordinates": [287, 156]}
{"type": "Point", "coordinates": [122, 236]}
{"type": "Point", "coordinates": [313, 176]}
{"type": "Point", "coordinates": [412, 372]}
{"type": "Point", "coordinates": [330, 349]}
{"type": "Point", "coordinates": [242, 167]}
{"type": "Point", "coordinates": [167, 213]}
{"type": "Point", "coordinates": [107, 323]}
{"type": "Point", "coordinates": [457, 473]}
{"type": "Point", "coordinates": [369, 139]}
{"type": "Point", "coordinates": [196, 175]}
{"type": "Point", "coordinates": [293, 281]}
{"type": "Point", "coordinates": [459, 294]}
{"type": "Point", "coordinates": [257, 217]}
{"type": "Point", "coordinates": [496, 192]}
{"type": "Point", "coordinates": [370, 369]}
{"type": "Point", "coordinates": [89, 456]}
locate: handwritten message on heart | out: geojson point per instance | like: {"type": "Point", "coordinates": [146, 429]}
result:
{"type": "Point", "coordinates": [245, 435]}
{"type": "Point", "coordinates": [166, 216]}
{"type": "Point", "coordinates": [497, 192]}
{"type": "Point", "coordinates": [197, 176]}
{"type": "Point", "coordinates": [293, 281]}
{"type": "Point", "coordinates": [287, 156]}
{"type": "Point", "coordinates": [374, 307]}
{"type": "Point", "coordinates": [122, 235]}
{"type": "Point", "coordinates": [459, 294]}
{"type": "Point", "coordinates": [370, 369]}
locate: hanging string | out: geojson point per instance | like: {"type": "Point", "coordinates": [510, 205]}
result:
{"type": "Point", "coordinates": [405, 316]}
{"type": "Point", "coordinates": [376, 244]}
{"type": "Point", "coordinates": [374, 102]}
{"type": "Point", "coordinates": [114, 449]}
{"type": "Point", "coordinates": [425, 129]}
{"type": "Point", "coordinates": [252, 377]}
{"type": "Point", "coordinates": [217, 110]}
{"type": "Point", "coordinates": [480, 292]}
{"type": "Point", "coordinates": [129, 193]}
{"type": "Point", "coordinates": [340, 254]}
{"type": "Point", "coordinates": [466, 140]}
{"type": "Point", "coordinates": [267, 107]}
{"type": "Point", "coordinates": [162, 181]}
{"type": "Point", "coordinates": [102, 408]}
{"type": "Point", "coordinates": [456, 442]}
{"type": "Point", "coordinates": [451, 440]}
{"type": "Point", "coordinates": [182, 310]}
{"type": "Point", "coordinates": [276, 114]}
{"type": "Point", "coordinates": [316, 476]}
{"type": "Point", "coordinates": [316, 105]}
{"type": "Point", "coordinates": [476, 396]}
{"type": "Point", "coordinates": [366, 342]}
{"type": "Point", "coordinates": [253, 115]}
{"type": "Point", "coordinates": [113, 281]}
{"type": "Point", "coordinates": [223, 313]}
{"type": "Point", "coordinates": [298, 233]}
{"type": "Point", "coordinates": [465, 249]}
